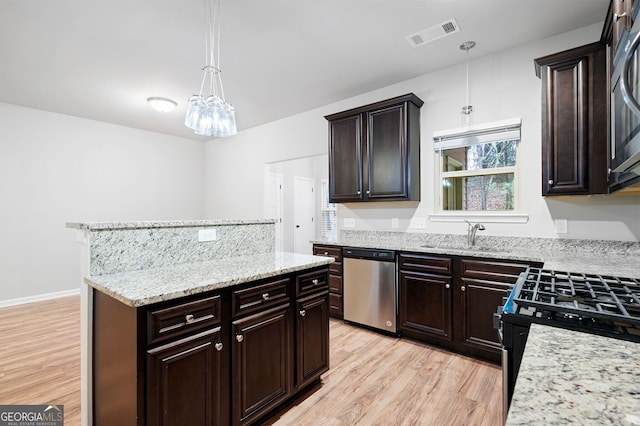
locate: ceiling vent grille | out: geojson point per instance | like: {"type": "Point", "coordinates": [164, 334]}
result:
{"type": "Point", "coordinates": [433, 33]}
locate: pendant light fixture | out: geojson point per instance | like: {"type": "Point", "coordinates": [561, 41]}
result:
{"type": "Point", "coordinates": [467, 109]}
{"type": "Point", "coordinates": [208, 113]}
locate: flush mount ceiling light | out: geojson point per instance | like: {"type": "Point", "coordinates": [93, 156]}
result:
{"type": "Point", "coordinates": [208, 113]}
{"type": "Point", "coordinates": [162, 104]}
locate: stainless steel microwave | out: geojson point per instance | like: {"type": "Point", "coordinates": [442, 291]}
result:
{"type": "Point", "coordinates": [625, 107]}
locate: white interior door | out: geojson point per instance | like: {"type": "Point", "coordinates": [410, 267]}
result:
{"type": "Point", "coordinates": [273, 204]}
{"type": "Point", "coordinates": [303, 215]}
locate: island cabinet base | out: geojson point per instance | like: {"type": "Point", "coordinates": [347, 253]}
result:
{"type": "Point", "coordinates": [227, 357]}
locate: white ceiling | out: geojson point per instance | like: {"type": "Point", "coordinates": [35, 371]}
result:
{"type": "Point", "coordinates": [101, 59]}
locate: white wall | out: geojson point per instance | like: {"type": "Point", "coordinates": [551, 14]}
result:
{"type": "Point", "coordinates": [56, 169]}
{"type": "Point", "coordinates": [502, 86]}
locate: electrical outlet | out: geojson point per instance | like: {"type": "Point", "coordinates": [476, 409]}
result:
{"type": "Point", "coordinates": [394, 223]}
{"type": "Point", "coordinates": [561, 226]}
{"type": "Point", "coordinates": [349, 222]}
{"type": "Point", "coordinates": [206, 235]}
{"type": "Point", "coordinates": [418, 223]}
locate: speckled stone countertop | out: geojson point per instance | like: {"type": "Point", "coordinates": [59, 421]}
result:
{"type": "Point", "coordinates": [568, 377]}
{"type": "Point", "coordinates": [153, 285]}
{"type": "Point", "coordinates": [619, 258]}
{"type": "Point", "coordinates": [100, 226]}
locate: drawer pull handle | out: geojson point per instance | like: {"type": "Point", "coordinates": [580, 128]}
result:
{"type": "Point", "coordinates": [303, 313]}
{"type": "Point", "coordinates": [265, 296]}
{"type": "Point", "coordinates": [239, 338]}
{"type": "Point", "coordinates": [219, 346]}
{"type": "Point", "coordinates": [314, 281]}
{"type": "Point", "coordinates": [189, 318]}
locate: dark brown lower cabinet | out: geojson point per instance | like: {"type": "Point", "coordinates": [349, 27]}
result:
{"type": "Point", "coordinates": [426, 306]}
{"type": "Point", "coordinates": [262, 370]}
{"type": "Point", "coordinates": [186, 382]}
{"type": "Point", "coordinates": [450, 300]}
{"type": "Point", "coordinates": [312, 328]}
{"type": "Point", "coordinates": [220, 358]}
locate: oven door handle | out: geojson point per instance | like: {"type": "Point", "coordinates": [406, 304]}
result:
{"type": "Point", "coordinates": [627, 96]}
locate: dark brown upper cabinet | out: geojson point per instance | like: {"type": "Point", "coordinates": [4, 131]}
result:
{"type": "Point", "coordinates": [575, 125]}
{"type": "Point", "coordinates": [374, 152]}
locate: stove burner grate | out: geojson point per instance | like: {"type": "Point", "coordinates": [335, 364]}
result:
{"type": "Point", "coordinates": [582, 295]}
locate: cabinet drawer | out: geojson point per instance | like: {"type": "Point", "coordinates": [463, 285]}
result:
{"type": "Point", "coordinates": [260, 296]}
{"type": "Point", "coordinates": [335, 305]}
{"type": "Point", "coordinates": [505, 272]}
{"type": "Point", "coordinates": [178, 320]}
{"type": "Point", "coordinates": [335, 284]}
{"type": "Point", "coordinates": [425, 263]}
{"type": "Point", "coordinates": [312, 282]}
{"type": "Point", "coordinates": [335, 252]}
{"type": "Point", "coordinates": [335, 268]}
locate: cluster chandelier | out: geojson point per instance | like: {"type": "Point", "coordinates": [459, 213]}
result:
{"type": "Point", "coordinates": [208, 113]}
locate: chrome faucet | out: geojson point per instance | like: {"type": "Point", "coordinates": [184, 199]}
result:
{"type": "Point", "coordinates": [471, 232]}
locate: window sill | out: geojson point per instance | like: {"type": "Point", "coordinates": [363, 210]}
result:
{"type": "Point", "coordinates": [486, 217]}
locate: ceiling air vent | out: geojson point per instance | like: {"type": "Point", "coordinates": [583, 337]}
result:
{"type": "Point", "coordinates": [433, 33]}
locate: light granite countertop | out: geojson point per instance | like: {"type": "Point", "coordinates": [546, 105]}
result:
{"type": "Point", "coordinates": [101, 226]}
{"type": "Point", "coordinates": [616, 258]}
{"type": "Point", "coordinates": [568, 377]}
{"type": "Point", "coordinates": [153, 285]}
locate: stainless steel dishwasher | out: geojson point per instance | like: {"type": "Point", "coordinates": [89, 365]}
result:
{"type": "Point", "coordinates": [369, 287]}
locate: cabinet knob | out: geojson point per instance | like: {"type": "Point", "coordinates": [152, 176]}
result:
{"type": "Point", "coordinates": [314, 281]}
{"type": "Point", "coordinates": [189, 318]}
{"type": "Point", "coordinates": [219, 346]}
{"type": "Point", "coordinates": [447, 286]}
{"type": "Point", "coordinates": [368, 192]}
{"type": "Point", "coordinates": [358, 192]}
{"type": "Point", "coordinates": [303, 313]}
{"type": "Point", "coordinates": [239, 338]}
{"type": "Point", "coordinates": [463, 288]}
{"type": "Point", "coordinates": [265, 296]}
{"type": "Point", "coordinates": [326, 253]}
{"type": "Point", "coordinates": [550, 182]}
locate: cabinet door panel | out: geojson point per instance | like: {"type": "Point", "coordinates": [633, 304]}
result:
{"type": "Point", "coordinates": [345, 159]}
{"type": "Point", "coordinates": [262, 346]}
{"type": "Point", "coordinates": [312, 329]}
{"type": "Point", "coordinates": [387, 153]}
{"type": "Point", "coordinates": [184, 382]}
{"type": "Point", "coordinates": [566, 156]}
{"type": "Point", "coordinates": [480, 300]}
{"type": "Point", "coordinates": [425, 305]}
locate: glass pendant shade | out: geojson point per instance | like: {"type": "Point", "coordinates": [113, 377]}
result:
{"type": "Point", "coordinates": [208, 113]}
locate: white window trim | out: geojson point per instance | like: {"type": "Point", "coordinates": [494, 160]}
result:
{"type": "Point", "coordinates": [460, 137]}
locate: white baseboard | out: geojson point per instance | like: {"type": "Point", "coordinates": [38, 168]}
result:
{"type": "Point", "coordinates": [38, 298]}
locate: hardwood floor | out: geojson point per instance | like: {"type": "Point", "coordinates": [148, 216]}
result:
{"type": "Point", "coordinates": [373, 380]}
{"type": "Point", "coordinates": [40, 355]}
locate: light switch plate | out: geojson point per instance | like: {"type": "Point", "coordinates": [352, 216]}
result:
{"type": "Point", "coordinates": [561, 226]}
{"type": "Point", "coordinates": [349, 222]}
{"type": "Point", "coordinates": [206, 235]}
{"type": "Point", "coordinates": [418, 223]}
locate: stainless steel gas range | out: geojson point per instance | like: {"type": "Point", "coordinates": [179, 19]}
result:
{"type": "Point", "coordinates": [597, 304]}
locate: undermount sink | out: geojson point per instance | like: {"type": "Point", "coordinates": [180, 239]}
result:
{"type": "Point", "coordinates": [460, 247]}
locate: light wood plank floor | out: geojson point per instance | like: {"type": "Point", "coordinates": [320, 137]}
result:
{"type": "Point", "coordinates": [374, 379]}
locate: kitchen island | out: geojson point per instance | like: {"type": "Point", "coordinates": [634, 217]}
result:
{"type": "Point", "coordinates": [219, 329]}
{"type": "Point", "coordinates": [569, 377]}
